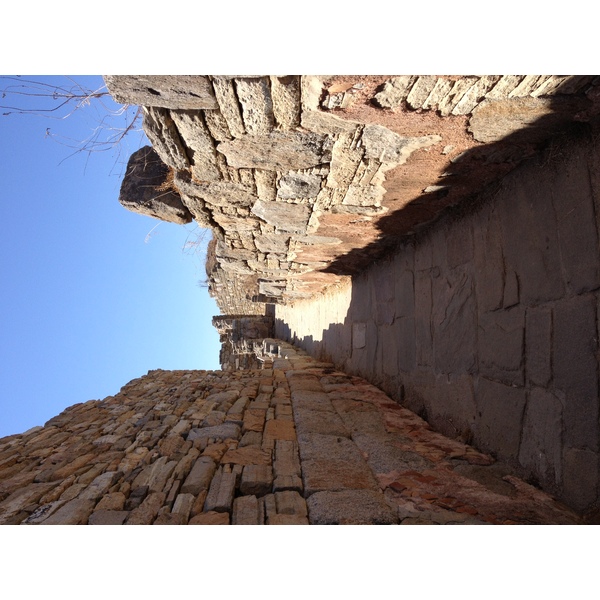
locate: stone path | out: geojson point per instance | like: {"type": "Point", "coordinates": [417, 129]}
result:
{"type": "Point", "coordinates": [296, 443]}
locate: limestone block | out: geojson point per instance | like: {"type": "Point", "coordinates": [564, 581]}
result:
{"type": "Point", "coordinates": [278, 151]}
{"type": "Point", "coordinates": [395, 91]}
{"type": "Point", "coordinates": [228, 105]}
{"type": "Point", "coordinates": [257, 108]}
{"type": "Point", "coordinates": [168, 91]}
{"type": "Point", "coordinates": [420, 91]}
{"type": "Point", "coordinates": [162, 132]}
{"type": "Point", "coordinates": [210, 518]}
{"type": "Point", "coordinates": [299, 185]}
{"type": "Point", "coordinates": [100, 486]}
{"type": "Point", "coordinates": [196, 137]}
{"type": "Point", "coordinates": [285, 94]}
{"type": "Point", "coordinates": [247, 510]}
{"type": "Point", "coordinates": [289, 218]}
{"type": "Point", "coordinates": [248, 455]}
{"type": "Point", "coordinates": [290, 503]}
{"type": "Point", "coordinates": [387, 146]}
{"type": "Point", "coordinates": [147, 511]}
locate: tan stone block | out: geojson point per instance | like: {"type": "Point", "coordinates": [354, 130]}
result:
{"type": "Point", "coordinates": [277, 429]}
{"type": "Point", "coordinates": [147, 511]}
{"type": "Point", "coordinates": [210, 518]}
{"type": "Point", "coordinates": [184, 465]}
{"type": "Point", "coordinates": [198, 505]}
{"type": "Point", "coordinates": [248, 455]}
{"type": "Point", "coordinates": [183, 505]}
{"type": "Point", "coordinates": [200, 476]}
{"type": "Point", "coordinates": [170, 519]}
{"type": "Point", "coordinates": [288, 482]}
{"type": "Point", "coordinates": [21, 498]}
{"type": "Point", "coordinates": [89, 475]}
{"type": "Point", "coordinates": [287, 520]}
{"type": "Point", "coordinates": [221, 492]}
{"type": "Point", "coordinates": [64, 472]}
{"type": "Point", "coordinates": [290, 503]}
{"type": "Point", "coordinates": [72, 492]}
{"type": "Point", "coordinates": [100, 486]}
{"type": "Point", "coordinates": [254, 419]}
{"type": "Point", "coordinates": [113, 501]}
{"type": "Point", "coordinates": [215, 451]}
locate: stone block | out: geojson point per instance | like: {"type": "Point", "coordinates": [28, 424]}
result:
{"type": "Point", "coordinates": [287, 218]}
{"type": "Point", "coordinates": [75, 512]}
{"type": "Point", "coordinates": [541, 440]}
{"type": "Point", "coordinates": [100, 485]}
{"type": "Point", "coordinates": [183, 505]}
{"type": "Point", "coordinates": [221, 492]}
{"type": "Point", "coordinates": [350, 507]}
{"type": "Point", "coordinates": [288, 482]}
{"type": "Point", "coordinates": [580, 477]}
{"type": "Point", "coordinates": [210, 518]}
{"type": "Point", "coordinates": [575, 364]}
{"type": "Point", "coordinates": [499, 419]}
{"type": "Point", "coordinates": [168, 91]}
{"type": "Point", "coordinates": [255, 101]}
{"type": "Point", "coordinates": [501, 344]}
{"type": "Point", "coordinates": [200, 476]}
{"type": "Point", "coordinates": [538, 345]}
{"type": "Point", "coordinates": [148, 509]}
{"type": "Point", "coordinates": [227, 430]}
{"type": "Point", "coordinates": [359, 335]}
{"type": "Point", "coordinates": [249, 455]}
{"type": "Point", "coordinates": [290, 503]}
{"type": "Point", "coordinates": [423, 328]}
{"type": "Point", "coordinates": [406, 343]}
{"type": "Point", "coordinates": [108, 517]}
{"type": "Point", "coordinates": [247, 510]}
{"type": "Point", "coordinates": [318, 421]}
{"type": "Point", "coordinates": [256, 480]}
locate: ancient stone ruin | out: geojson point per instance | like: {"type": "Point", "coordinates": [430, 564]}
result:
{"type": "Point", "coordinates": [408, 275]}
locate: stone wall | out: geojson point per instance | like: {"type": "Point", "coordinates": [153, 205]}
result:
{"type": "Point", "coordinates": [487, 324]}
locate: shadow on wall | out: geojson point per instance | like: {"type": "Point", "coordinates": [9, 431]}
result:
{"type": "Point", "coordinates": [486, 323]}
{"type": "Point", "coordinates": [511, 130]}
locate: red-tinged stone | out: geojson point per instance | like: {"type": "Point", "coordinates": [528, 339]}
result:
{"type": "Point", "coordinates": [210, 518]}
{"type": "Point", "coordinates": [397, 486]}
{"type": "Point", "coordinates": [469, 510]}
{"type": "Point", "coordinates": [277, 429]}
{"type": "Point", "coordinates": [248, 455]}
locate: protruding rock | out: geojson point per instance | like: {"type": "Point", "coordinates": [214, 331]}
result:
{"type": "Point", "coordinates": [166, 91]}
{"type": "Point", "coordinates": [145, 190]}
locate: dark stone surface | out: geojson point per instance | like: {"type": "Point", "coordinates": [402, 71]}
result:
{"type": "Point", "coordinates": [423, 333]}
{"type": "Point", "coordinates": [501, 338]}
{"type": "Point", "coordinates": [499, 418]}
{"type": "Point", "coordinates": [141, 193]}
{"type": "Point", "coordinates": [575, 347]}
{"type": "Point", "coordinates": [538, 345]}
{"type": "Point", "coordinates": [358, 507]}
{"type": "Point", "coordinates": [580, 479]}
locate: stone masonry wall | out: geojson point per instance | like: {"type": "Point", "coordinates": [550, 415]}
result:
{"type": "Point", "coordinates": [294, 443]}
{"type": "Point", "coordinates": [487, 324]}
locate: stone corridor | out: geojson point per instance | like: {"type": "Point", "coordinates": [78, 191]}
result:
{"type": "Point", "coordinates": [295, 443]}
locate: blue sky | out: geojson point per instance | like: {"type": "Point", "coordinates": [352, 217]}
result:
{"type": "Point", "coordinates": [92, 295]}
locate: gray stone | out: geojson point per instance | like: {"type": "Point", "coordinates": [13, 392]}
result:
{"type": "Point", "coordinates": [318, 421]}
{"type": "Point", "coordinates": [228, 105]}
{"type": "Point", "coordinates": [247, 510]}
{"type": "Point", "coordinates": [108, 517]}
{"type": "Point", "coordinates": [386, 146]}
{"type": "Point", "coordinates": [272, 242]}
{"type": "Point", "coordinates": [501, 340]}
{"type": "Point", "coordinates": [289, 218]}
{"type": "Point", "coordinates": [142, 190]}
{"type": "Point", "coordinates": [221, 492]}
{"type": "Point", "coordinates": [350, 507]}
{"type": "Point", "coordinates": [541, 440]}
{"type": "Point", "coordinates": [499, 419]}
{"type": "Point", "coordinates": [359, 335]}
{"type": "Point", "coordinates": [278, 151]}
{"type": "Point", "coordinates": [75, 512]}
{"type": "Point", "coordinates": [168, 91]}
{"type": "Point", "coordinates": [575, 364]}
{"type": "Point", "coordinates": [299, 185]}
{"type": "Point", "coordinates": [166, 141]}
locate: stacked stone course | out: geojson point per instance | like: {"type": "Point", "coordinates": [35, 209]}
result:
{"type": "Point", "coordinates": [294, 443]}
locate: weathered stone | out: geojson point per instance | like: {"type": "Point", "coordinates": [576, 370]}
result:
{"type": "Point", "coordinates": [228, 105]}
{"type": "Point", "coordinates": [395, 91]}
{"type": "Point", "coordinates": [163, 133]}
{"type": "Point", "coordinates": [147, 511]}
{"type": "Point", "coordinates": [389, 147]}
{"type": "Point", "coordinates": [227, 430]}
{"type": "Point", "coordinates": [168, 91]}
{"type": "Point", "coordinates": [197, 139]}
{"type": "Point", "coordinates": [108, 517]}
{"type": "Point", "coordinates": [289, 218]}
{"type": "Point", "coordinates": [580, 477]}
{"type": "Point", "coordinates": [247, 511]}
{"type": "Point", "coordinates": [183, 505]}
{"type": "Point", "coordinates": [200, 476]}
{"type": "Point", "coordinates": [317, 421]}
{"type": "Point", "coordinates": [277, 151]}
{"type": "Point", "coordinates": [285, 94]}
{"type": "Point", "coordinates": [114, 501]}
{"type": "Point", "coordinates": [420, 91]}
{"type": "Point", "coordinates": [248, 455]}
{"type": "Point", "coordinates": [75, 512]}
{"type": "Point", "coordinates": [257, 108]}
{"type": "Point", "coordinates": [538, 344]}
{"type": "Point", "coordinates": [22, 497]}
{"type": "Point", "coordinates": [221, 492]}
{"type": "Point", "coordinates": [350, 507]}
{"type": "Point", "coordinates": [210, 518]}
{"type": "Point", "coordinates": [100, 486]}
{"type": "Point", "coordinates": [256, 479]}
{"type": "Point", "coordinates": [299, 185]}
{"type": "Point", "coordinates": [499, 418]}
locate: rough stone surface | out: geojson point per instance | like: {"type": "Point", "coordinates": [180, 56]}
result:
{"type": "Point", "coordinates": [144, 189]}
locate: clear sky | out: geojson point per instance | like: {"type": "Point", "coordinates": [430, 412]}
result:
{"type": "Point", "coordinates": [91, 294]}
